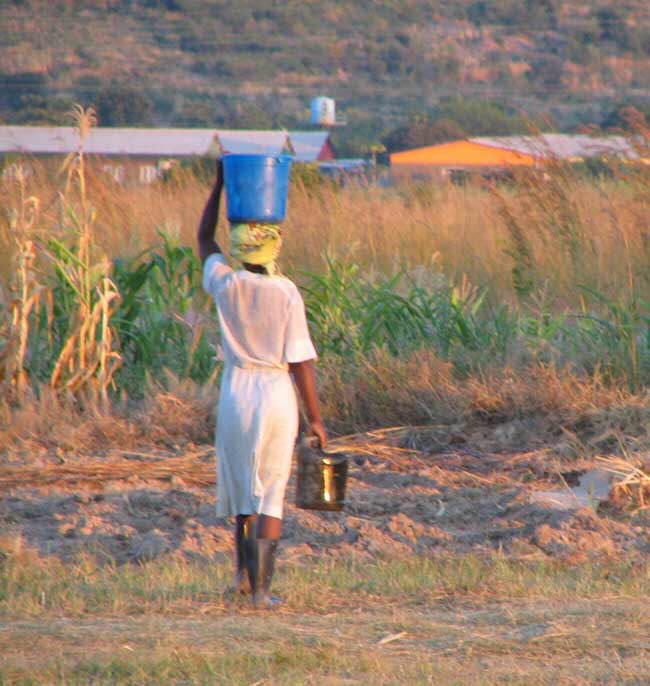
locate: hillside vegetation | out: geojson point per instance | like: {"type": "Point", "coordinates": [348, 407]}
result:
{"type": "Point", "coordinates": [256, 64]}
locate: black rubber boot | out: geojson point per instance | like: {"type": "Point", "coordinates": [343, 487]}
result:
{"type": "Point", "coordinates": [260, 558]}
{"type": "Point", "coordinates": [242, 584]}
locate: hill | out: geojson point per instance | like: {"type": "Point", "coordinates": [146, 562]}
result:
{"type": "Point", "coordinates": [256, 63]}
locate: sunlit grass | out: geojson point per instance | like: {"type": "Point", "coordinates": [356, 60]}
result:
{"type": "Point", "coordinates": [31, 586]}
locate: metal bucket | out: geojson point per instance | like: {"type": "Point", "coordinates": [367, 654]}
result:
{"type": "Point", "coordinates": [321, 477]}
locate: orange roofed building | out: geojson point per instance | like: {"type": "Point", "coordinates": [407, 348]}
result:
{"type": "Point", "coordinates": [497, 155]}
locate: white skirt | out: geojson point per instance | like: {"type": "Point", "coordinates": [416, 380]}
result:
{"type": "Point", "coordinates": [257, 425]}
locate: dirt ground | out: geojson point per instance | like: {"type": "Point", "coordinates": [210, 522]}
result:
{"type": "Point", "coordinates": [433, 489]}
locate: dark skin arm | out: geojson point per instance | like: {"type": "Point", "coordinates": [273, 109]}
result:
{"type": "Point", "coordinates": [208, 224]}
{"type": "Point", "coordinates": [305, 378]}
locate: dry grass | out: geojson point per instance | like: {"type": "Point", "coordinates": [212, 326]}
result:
{"type": "Point", "coordinates": [463, 231]}
{"type": "Point", "coordinates": [180, 413]}
{"type": "Point", "coordinates": [633, 478]}
{"type": "Point", "coordinates": [577, 643]}
{"type": "Point", "coordinates": [380, 391]}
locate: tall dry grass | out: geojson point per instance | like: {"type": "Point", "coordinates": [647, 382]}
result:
{"type": "Point", "coordinates": [577, 230]}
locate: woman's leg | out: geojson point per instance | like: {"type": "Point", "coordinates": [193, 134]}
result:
{"type": "Point", "coordinates": [269, 527]}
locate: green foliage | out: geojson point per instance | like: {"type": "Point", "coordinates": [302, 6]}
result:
{"type": "Point", "coordinates": [422, 130]}
{"type": "Point", "coordinates": [160, 320]}
{"type": "Point", "coordinates": [628, 116]}
{"type": "Point", "coordinates": [386, 58]}
{"type": "Point", "coordinates": [248, 116]}
{"type": "Point", "coordinates": [547, 72]}
{"type": "Point", "coordinates": [39, 110]}
{"type": "Point", "coordinates": [164, 322]}
{"type": "Point", "coordinates": [481, 118]}
{"type": "Point", "coordinates": [534, 14]}
{"type": "Point", "coordinates": [623, 330]}
{"type": "Point", "coordinates": [119, 105]}
{"type": "Point", "coordinates": [17, 85]}
{"type": "Point", "coordinates": [352, 314]}
{"type": "Point", "coordinates": [453, 119]}
{"type": "Point", "coordinates": [352, 141]}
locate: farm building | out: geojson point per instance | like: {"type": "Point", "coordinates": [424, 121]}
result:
{"type": "Point", "coordinates": [312, 146]}
{"type": "Point", "coordinates": [500, 154]}
{"type": "Point", "coordinates": [135, 155]}
{"type": "Point", "coordinates": [316, 146]}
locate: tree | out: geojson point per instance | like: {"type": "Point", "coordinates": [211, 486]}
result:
{"type": "Point", "coordinates": [540, 14]}
{"type": "Point", "coordinates": [627, 117]}
{"type": "Point", "coordinates": [453, 119]}
{"type": "Point", "coordinates": [422, 130]}
{"type": "Point", "coordinates": [36, 110]}
{"type": "Point", "coordinates": [547, 72]}
{"type": "Point", "coordinates": [480, 117]}
{"type": "Point", "coordinates": [247, 115]}
{"type": "Point", "coordinates": [119, 105]}
{"type": "Point", "coordinates": [534, 14]}
{"type": "Point", "coordinates": [613, 25]}
{"type": "Point", "coordinates": [14, 87]}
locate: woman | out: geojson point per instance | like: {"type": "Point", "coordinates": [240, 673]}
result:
{"type": "Point", "coordinates": [265, 342]}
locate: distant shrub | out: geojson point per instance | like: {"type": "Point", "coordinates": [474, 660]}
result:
{"type": "Point", "coordinates": [13, 87]}
{"type": "Point", "coordinates": [119, 105]}
{"type": "Point", "coordinates": [453, 119]}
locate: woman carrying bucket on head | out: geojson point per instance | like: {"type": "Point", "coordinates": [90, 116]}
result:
{"type": "Point", "coordinates": [265, 342]}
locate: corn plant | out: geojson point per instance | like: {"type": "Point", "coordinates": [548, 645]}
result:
{"type": "Point", "coordinates": [25, 295]}
{"type": "Point", "coordinates": [622, 333]}
{"type": "Point", "coordinates": [163, 322]}
{"type": "Point", "coordinates": [89, 357]}
{"type": "Point", "coordinates": [16, 315]}
{"type": "Point", "coordinates": [352, 314]}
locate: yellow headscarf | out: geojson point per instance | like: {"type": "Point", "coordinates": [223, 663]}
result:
{"type": "Point", "coordinates": [256, 244]}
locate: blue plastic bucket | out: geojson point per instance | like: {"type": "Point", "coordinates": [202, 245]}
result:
{"type": "Point", "coordinates": [256, 187]}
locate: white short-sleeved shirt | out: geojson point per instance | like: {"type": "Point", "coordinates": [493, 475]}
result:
{"type": "Point", "coordinates": [262, 317]}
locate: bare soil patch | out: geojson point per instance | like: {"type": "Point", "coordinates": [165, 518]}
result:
{"type": "Point", "coordinates": [410, 490]}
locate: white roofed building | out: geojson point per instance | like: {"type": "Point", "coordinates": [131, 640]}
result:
{"type": "Point", "coordinates": [136, 154]}
{"type": "Point", "coordinates": [570, 147]}
{"type": "Point", "coordinates": [250, 142]}
{"type": "Point", "coordinates": [138, 142]}
{"type": "Point", "coordinates": [312, 146]}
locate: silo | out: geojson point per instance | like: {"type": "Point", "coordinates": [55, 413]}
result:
{"type": "Point", "coordinates": [323, 111]}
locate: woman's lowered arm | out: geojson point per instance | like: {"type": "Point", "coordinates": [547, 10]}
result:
{"type": "Point", "coordinates": [305, 378]}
